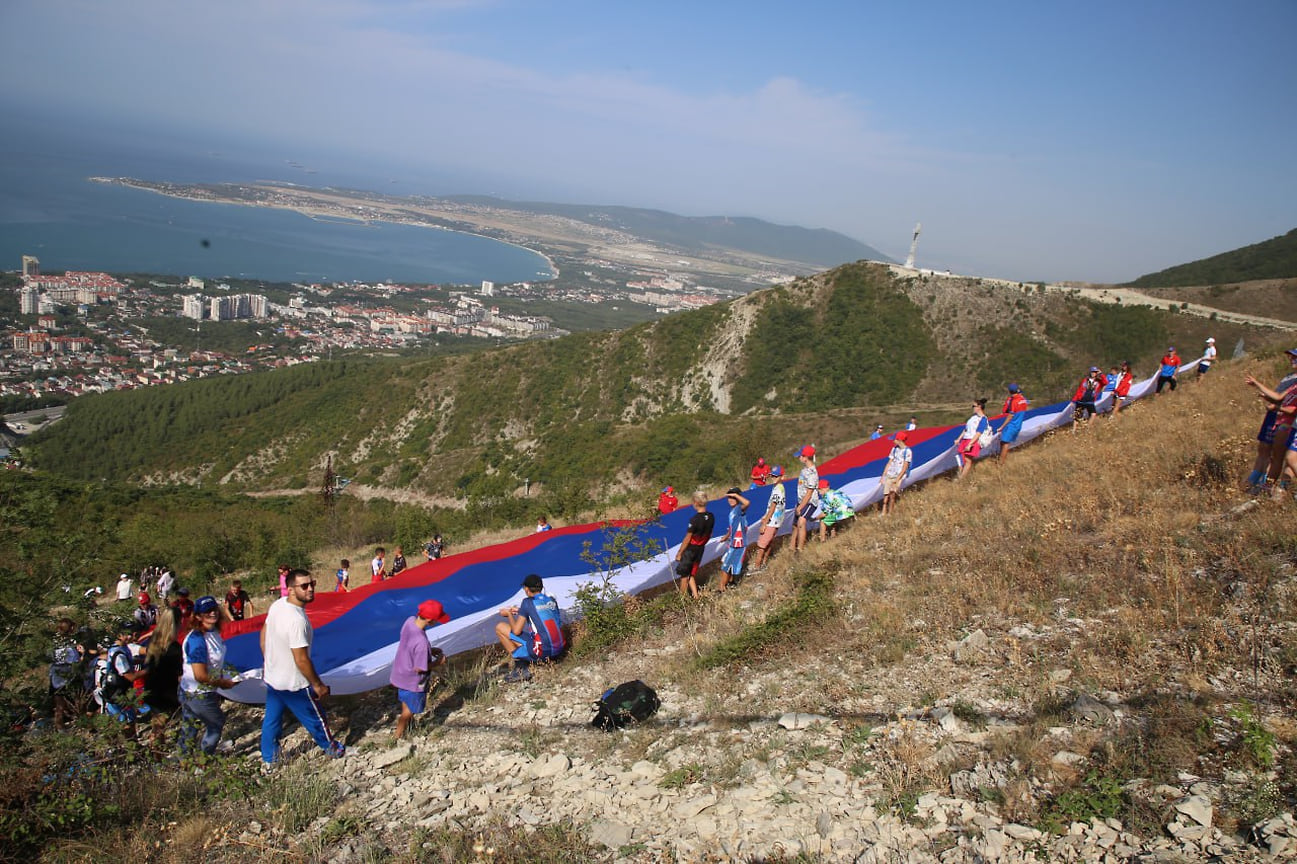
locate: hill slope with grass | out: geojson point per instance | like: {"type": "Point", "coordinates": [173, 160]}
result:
{"type": "Point", "coordinates": [688, 399]}
{"type": "Point", "coordinates": [1089, 651]}
{"type": "Point", "coordinates": [1275, 258]}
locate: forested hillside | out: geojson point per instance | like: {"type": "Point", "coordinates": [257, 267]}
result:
{"type": "Point", "coordinates": [1275, 258]}
{"type": "Point", "coordinates": [688, 399]}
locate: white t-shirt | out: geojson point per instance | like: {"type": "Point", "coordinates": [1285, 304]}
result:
{"type": "Point", "coordinates": [286, 628]}
{"type": "Point", "coordinates": [972, 427]}
{"type": "Point", "coordinates": [1208, 356]}
{"type": "Point", "coordinates": [124, 588]}
{"type": "Point", "coordinates": [777, 498]}
{"type": "Point", "coordinates": [897, 461]}
{"type": "Point", "coordinates": [206, 648]}
{"type": "Point", "coordinates": [165, 583]}
{"type": "Point", "coordinates": [376, 566]}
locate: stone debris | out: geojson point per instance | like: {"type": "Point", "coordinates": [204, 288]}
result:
{"type": "Point", "coordinates": [755, 777]}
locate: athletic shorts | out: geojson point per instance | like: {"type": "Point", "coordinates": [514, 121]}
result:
{"type": "Point", "coordinates": [1083, 409]}
{"type": "Point", "coordinates": [767, 536]}
{"type": "Point", "coordinates": [415, 700]}
{"type": "Point", "coordinates": [892, 485]}
{"type": "Point", "coordinates": [523, 641]}
{"type": "Point", "coordinates": [1009, 433]}
{"type": "Point", "coordinates": [807, 511]}
{"type": "Point", "coordinates": [970, 448]}
{"type": "Point", "coordinates": [692, 557]}
{"type": "Point", "coordinates": [1204, 368]}
{"type": "Point", "coordinates": [1266, 435]}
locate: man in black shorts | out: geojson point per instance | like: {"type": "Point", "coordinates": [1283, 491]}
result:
{"type": "Point", "coordinates": [691, 548]}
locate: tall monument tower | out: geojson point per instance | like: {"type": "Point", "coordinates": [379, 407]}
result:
{"type": "Point", "coordinates": [914, 244]}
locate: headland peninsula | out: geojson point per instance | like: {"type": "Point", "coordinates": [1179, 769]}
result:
{"type": "Point", "coordinates": [598, 242]}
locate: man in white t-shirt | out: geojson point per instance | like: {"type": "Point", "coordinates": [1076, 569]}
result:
{"type": "Point", "coordinates": [124, 584]}
{"type": "Point", "coordinates": [290, 676]}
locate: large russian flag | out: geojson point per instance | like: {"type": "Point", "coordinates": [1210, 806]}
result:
{"type": "Point", "coordinates": [356, 633]}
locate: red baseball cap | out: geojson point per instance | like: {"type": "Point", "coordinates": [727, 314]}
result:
{"type": "Point", "coordinates": [902, 436]}
{"type": "Point", "coordinates": [824, 484]}
{"type": "Point", "coordinates": [430, 610]}
{"type": "Point", "coordinates": [808, 451]}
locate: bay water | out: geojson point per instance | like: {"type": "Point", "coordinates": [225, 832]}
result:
{"type": "Point", "coordinates": [49, 208]}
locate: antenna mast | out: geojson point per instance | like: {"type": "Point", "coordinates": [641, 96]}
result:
{"type": "Point", "coordinates": [914, 244]}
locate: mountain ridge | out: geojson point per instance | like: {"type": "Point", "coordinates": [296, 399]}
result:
{"type": "Point", "coordinates": [819, 246]}
{"type": "Point", "coordinates": [689, 398]}
{"type": "Point", "coordinates": [1275, 258]}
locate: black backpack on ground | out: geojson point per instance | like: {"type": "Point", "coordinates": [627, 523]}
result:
{"type": "Point", "coordinates": [625, 705]}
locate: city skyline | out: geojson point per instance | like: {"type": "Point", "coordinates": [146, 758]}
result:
{"type": "Point", "coordinates": [1090, 143]}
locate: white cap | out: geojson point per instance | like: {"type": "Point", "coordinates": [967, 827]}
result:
{"type": "Point", "coordinates": [123, 576]}
{"type": "Point", "coordinates": [1210, 339]}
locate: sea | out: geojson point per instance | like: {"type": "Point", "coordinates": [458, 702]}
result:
{"type": "Point", "coordinates": [49, 208]}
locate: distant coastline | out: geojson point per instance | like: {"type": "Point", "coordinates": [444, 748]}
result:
{"type": "Point", "coordinates": [225, 194]}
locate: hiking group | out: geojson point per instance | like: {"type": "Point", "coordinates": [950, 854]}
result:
{"type": "Point", "coordinates": [168, 661]}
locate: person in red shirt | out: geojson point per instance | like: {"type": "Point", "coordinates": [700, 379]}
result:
{"type": "Point", "coordinates": [1168, 369]}
{"type": "Point", "coordinates": [1086, 395]}
{"type": "Point", "coordinates": [760, 472]}
{"type": "Point", "coordinates": [667, 501]}
{"type": "Point", "coordinates": [1122, 391]}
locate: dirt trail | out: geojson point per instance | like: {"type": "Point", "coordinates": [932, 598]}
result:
{"type": "Point", "coordinates": [1131, 297]}
{"type": "Point", "coordinates": [369, 493]}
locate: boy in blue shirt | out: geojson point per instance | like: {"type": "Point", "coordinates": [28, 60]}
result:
{"type": "Point", "coordinates": [533, 630]}
{"type": "Point", "coordinates": [736, 537]}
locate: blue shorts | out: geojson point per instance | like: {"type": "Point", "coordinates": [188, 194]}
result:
{"type": "Point", "coordinates": [524, 641]}
{"type": "Point", "coordinates": [1292, 439]}
{"type": "Point", "coordinates": [1010, 431]}
{"type": "Point", "coordinates": [125, 715]}
{"type": "Point", "coordinates": [415, 700]}
{"type": "Point", "coordinates": [733, 561]}
{"type": "Point", "coordinates": [1204, 368]}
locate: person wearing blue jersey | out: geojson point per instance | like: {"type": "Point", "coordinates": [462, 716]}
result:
{"type": "Point", "coordinates": [532, 630]}
{"type": "Point", "coordinates": [203, 673]}
{"type": "Point", "coordinates": [736, 537]}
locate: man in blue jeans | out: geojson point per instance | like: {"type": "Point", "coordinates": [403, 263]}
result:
{"type": "Point", "coordinates": [290, 676]}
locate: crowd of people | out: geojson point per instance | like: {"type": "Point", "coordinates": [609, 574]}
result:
{"type": "Point", "coordinates": [819, 510]}
{"type": "Point", "coordinates": [167, 660]}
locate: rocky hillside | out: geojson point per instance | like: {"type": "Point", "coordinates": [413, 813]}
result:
{"type": "Point", "coordinates": [691, 398]}
{"type": "Point", "coordinates": [1086, 654]}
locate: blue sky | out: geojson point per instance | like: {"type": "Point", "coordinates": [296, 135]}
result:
{"type": "Point", "coordinates": [1092, 141]}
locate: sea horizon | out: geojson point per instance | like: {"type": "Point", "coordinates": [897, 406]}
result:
{"type": "Point", "coordinates": [52, 209]}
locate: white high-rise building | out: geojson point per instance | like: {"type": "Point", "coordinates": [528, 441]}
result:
{"type": "Point", "coordinates": [192, 306]}
{"type": "Point", "coordinates": [488, 288]}
{"type": "Point", "coordinates": [29, 300]}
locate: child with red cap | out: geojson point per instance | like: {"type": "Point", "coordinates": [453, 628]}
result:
{"type": "Point", "coordinates": [415, 658]}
